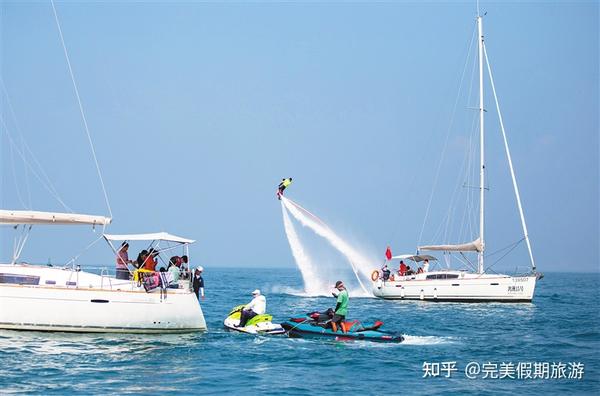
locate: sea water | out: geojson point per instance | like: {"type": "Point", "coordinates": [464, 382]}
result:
{"type": "Point", "coordinates": [562, 325]}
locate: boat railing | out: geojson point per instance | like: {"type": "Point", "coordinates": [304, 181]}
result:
{"type": "Point", "coordinates": [107, 277]}
{"type": "Point", "coordinates": [104, 273]}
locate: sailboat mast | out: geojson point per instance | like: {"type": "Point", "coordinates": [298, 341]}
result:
{"type": "Point", "coordinates": [481, 148]}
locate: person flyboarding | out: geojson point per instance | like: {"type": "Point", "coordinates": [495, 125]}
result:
{"type": "Point", "coordinates": [282, 186]}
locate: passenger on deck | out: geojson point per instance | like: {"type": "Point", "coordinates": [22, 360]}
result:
{"type": "Point", "coordinates": [185, 267]}
{"type": "Point", "coordinates": [420, 270]}
{"type": "Point", "coordinates": [173, 261]}
{"type": "Point", "coordinates": [150, 261]}
{"type": "Point", "coordinates": [174, 270]}
{"type": "Point", "coordinates": [426, 266]}
{"type": "Point", "coordinates": [386, 272]}
{"type": "Point", "coordinates": [409, 271]}
{"type": "Point", "coordinates": [141, 258]}
{"type": "Point", "coordinates": [257, 306]}
{"type": "Point", "coordinates": [122, 272]}
{"type": "Point", "coordinates": [402, 270]}
{"type": "Point", "coordinates": [198, 283]}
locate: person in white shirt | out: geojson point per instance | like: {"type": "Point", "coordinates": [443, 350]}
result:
{"type": "Point", "coordinates": [426, 266]}
{"type": "Point", "coordinates": [257, 306]}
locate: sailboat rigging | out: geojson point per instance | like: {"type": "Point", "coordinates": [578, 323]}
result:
{"type": "Point", "coordinates": [47, 298]}
{"type": "Point", "coordinates": [453, 285]}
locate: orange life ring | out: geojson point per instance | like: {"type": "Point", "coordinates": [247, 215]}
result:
{"type": "Point", "coordinates": [392, 277]}
{"type": "Point", "coordinates": [375, 275]}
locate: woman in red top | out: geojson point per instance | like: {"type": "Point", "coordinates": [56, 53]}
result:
{"type": "Point", "coordinates": [150, 262]}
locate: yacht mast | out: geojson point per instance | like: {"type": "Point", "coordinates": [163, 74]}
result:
{"type": "Point", "coordinates": [481, 148]}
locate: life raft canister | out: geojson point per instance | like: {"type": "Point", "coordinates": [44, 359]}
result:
{"type": "Point", "coordinates": [375, 275]}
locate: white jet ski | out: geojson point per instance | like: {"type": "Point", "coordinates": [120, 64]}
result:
{"type": "Point", "coordinates": [260, 324]}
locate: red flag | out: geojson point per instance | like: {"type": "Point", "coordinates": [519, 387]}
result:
{"type": "Point", "coordinates": [388, 253]}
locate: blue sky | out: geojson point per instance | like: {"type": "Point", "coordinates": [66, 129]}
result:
{"type": "Point", "coordinates": [198, 109]}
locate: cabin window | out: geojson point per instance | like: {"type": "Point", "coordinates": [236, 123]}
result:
{"type": "Point", "coordinates": [436, 276]}
{"type": "Point", "coordinates": [442, 276]}
{"type": "Point", "coordinates": [18, 279]}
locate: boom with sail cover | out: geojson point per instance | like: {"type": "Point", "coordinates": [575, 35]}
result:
{"type": "Point", "coordinates": [475, 246]}
{"type": "Point", "coordinates": [34, 217]}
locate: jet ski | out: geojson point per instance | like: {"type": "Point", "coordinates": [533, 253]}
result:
{"type": "Point", "coordinates": [260, 324]}
{"type": "Point", "coordinates": [317, 324]}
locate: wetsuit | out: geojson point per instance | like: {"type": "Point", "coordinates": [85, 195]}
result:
{"type": "Point", "coordinates": [284, 184]}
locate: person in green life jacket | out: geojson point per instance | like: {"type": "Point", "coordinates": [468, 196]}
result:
{"type": "Point", "coordinates": [341, 308]}
{"type": "Point", "coordinates": [282, 186]}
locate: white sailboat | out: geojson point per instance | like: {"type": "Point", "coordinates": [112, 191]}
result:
{"type": "Point", "coordinates": [462, 285]}
{"type": "Point", "coordinates": [41, 297]}
{"type": "Point", "coordinates": [45, 298]}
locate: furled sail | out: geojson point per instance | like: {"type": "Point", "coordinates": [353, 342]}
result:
{"type": "Point", "coordinates": [475, 246]}
{"type": "Point", "coordinates": [33, 217]}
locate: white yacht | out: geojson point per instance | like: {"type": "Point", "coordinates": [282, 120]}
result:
{"type": "Point", "coordinates": [475, 285]}
{"type": "Point", "coordinates": [453, 285]}
{"type": "Point", "coordinates": [40, 297]}
{"type": "Point", "coordinates": [68, 298]}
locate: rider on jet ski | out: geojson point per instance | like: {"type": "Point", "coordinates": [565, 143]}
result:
{"type": "Point", "coordinates": [257, 306]}
{"type": "Point", "coordinates": [341, 308]}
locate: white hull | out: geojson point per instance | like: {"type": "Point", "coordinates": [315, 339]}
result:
{"type": "Point", "coordinates": [258, 328]}
{"type": "Point", "coordinates": [458, 286]}
{"type": "Point", "coordinates": [92, 303]}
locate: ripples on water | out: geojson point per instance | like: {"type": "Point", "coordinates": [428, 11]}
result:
{"type": "Point", "coordinates": [558, 326]}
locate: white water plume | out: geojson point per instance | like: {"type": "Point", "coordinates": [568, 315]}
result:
{"type": "Point", "coordinates": [361, 265]}
{"type": "Point", "coordinates": [313, 285]}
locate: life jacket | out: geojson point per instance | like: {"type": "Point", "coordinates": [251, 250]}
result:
{"type": "Point", "coordinates": [150, 263]}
